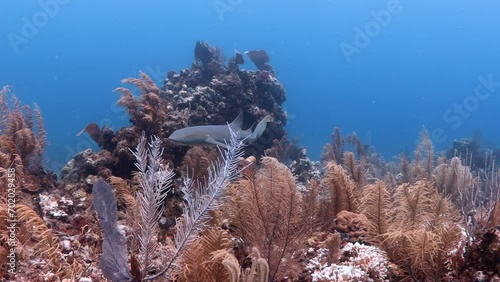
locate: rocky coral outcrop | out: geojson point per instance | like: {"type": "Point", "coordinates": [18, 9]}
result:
{"type": "Point", "coordinates": [87, 163]}
{"type": "Point", "coordinates": [304, 168]}
{"type": "Point", "coordinates": [221, 97]}
{"type": "Point", "coordinates": [480, 261]}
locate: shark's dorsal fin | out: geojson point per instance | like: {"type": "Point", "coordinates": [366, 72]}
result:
{"type": "Point", "coordinates": [237, 123]}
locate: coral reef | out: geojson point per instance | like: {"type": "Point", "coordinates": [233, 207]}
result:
{"type": "Point", "coordinates": [31, 204]}
{"type": "Point", "coordinates": [259, 212]}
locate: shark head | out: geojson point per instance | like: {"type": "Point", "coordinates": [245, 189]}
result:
{"type": "Point", "coordinates": [186, 136]}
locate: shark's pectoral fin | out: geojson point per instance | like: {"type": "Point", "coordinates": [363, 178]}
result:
{"type": "Point", "coordinates": [210, 140]}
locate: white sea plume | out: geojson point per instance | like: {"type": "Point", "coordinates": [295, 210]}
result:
{"type": "Point", "coordinates": [200, 200]}
{"type": "Point", "coordinates": [155, 181]}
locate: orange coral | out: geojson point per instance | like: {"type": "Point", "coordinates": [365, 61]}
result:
{"type": "Point", "coordinates": [354, 224]}
{"type": "Point", "coordinates": [148, 111]}
{"type": "Point", "coordinates": [21, 143]}
{"type": "Point", "coordinates": [196, 162]}
{"type": "Point", "coordinates": [18, 135]}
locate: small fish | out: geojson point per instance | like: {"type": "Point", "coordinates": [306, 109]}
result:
{"type": "Point", "coordinates": [93, 130]}
{"type": "Point", "coordinates": [260, 59]}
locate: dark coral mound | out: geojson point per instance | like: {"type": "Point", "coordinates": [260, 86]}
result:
{"type": "Point", "coordinates": [481, 260]}
{"type": "Point", "coordinates": [215, 97]}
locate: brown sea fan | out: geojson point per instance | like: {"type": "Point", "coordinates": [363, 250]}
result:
{"type": "Point", "coordinates": [413, 204]}
{"type": "Point", "coordinates": [335, 150]}
{"type": "Point", "coordinates": [203, 261]}
{"type": "Point", "coordinates": [376, 206]}
{"type": "Point", "coordinates": [17, 128]}
{"type": "Point", "coordinates": [355, 169]}
{"type": "Point", "coordinates": [423, 163]}
{"type": "Point", "coordinates": [338, 193]}
{"type": "Point", "coordinates": [268, 214]}
{"type": "Point", "coordinates": [424, 229]}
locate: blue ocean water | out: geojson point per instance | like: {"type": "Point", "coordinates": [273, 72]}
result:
{"type": "Point", "coordinates": [383, 68]}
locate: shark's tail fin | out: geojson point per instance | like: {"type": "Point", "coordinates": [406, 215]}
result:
{"type": "Point", "coordinates": [259, 129]}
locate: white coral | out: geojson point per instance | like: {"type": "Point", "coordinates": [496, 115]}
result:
{"type": "Point", "coordinates": [361, 262]}
{"type": "Point", "coordinates": [53, 206]}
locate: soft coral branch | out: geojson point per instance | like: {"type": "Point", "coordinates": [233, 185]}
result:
{"type": "Point", "coordinates": [201, 200]}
